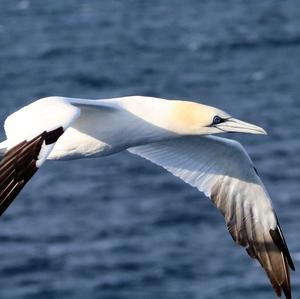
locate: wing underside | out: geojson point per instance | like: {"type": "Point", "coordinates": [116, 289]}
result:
{"type": "Point", "coordinates": [222, 169]}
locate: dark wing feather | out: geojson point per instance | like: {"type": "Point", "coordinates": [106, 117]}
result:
{"type": "Point", "coordinates": [264, 244]}
{"type": "Point", "coordinates": [19, 165]}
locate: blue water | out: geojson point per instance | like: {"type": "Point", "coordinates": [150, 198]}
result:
{"type": "Point", "coordinates": [119, 227]}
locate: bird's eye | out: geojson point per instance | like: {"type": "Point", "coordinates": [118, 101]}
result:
{"type": "Point", "coordinates": [217, 120]}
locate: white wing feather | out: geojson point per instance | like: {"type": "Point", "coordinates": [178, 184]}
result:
{"type": "Point", "coordinates": [43, 115]}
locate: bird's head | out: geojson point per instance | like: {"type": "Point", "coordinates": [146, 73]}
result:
{"type": "Point", "coordinates": [191, 118]}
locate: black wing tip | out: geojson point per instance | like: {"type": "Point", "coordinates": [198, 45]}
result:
{"type": "Point", "coordinates": [281, 286]}
{"type": "Point", "coordinates": [19, 165]}
{"type": "Point", "coordinates": [287, 291]}
{"type": "Point", "coordinates": [52, 136]}
{"type": "Point", "coordinates": [279, 240]}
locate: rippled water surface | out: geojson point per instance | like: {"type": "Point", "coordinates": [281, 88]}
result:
{"type": "Point", "coordinates": [119, 227]}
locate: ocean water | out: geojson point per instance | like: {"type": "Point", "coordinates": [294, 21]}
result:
{"type": "Point", "coordinates": [120, 227]}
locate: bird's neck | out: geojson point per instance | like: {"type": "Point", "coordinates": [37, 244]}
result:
{"type": "Point", "coordinates": [141, 120]}
{"type": "Point", "coordinates": [165, 116]}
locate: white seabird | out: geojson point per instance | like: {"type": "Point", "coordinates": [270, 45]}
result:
{"type": "Point", "coordinates": [172, 134]}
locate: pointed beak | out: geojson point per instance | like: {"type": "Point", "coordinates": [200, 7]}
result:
{"type": "Point", "coordinates": [236, 125]}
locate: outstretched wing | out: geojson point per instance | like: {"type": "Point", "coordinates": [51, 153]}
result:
{"type": "Point", "coordinates": [31, 135]}
{"type": "Point", "coordinates": [222, 169]}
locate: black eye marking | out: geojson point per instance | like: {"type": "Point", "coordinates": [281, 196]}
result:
{"type": "Point", "coordinates": [217, 120]}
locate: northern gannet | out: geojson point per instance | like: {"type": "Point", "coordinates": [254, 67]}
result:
{"type": "Point", "coordinates": [171, 133]}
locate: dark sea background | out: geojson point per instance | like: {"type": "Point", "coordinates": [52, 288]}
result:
{"type": "Point", "coordinates": [120, 227]}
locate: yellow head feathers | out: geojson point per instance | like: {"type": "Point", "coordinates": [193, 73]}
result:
{"type": "Point", "coordinates": [191, 118]}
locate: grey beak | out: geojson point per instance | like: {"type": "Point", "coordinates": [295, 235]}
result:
{"type": "Point", "coordinates": [236, 125]}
